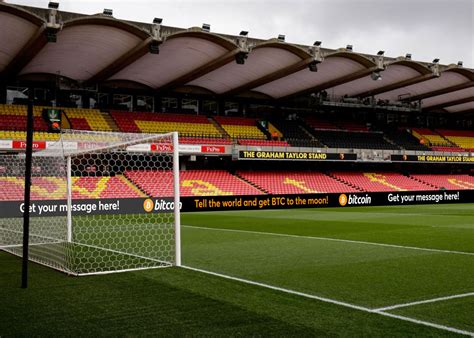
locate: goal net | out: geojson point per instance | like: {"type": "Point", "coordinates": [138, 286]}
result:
{"type": "Point", "coordinates": [100, 202]}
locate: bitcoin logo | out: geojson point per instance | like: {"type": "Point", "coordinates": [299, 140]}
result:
{"type": "Point", "coordinates": [342, 200]}
{"type": "Point", "coordinates": [148, 205]}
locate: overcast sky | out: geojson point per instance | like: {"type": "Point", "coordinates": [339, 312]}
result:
{"type": "Point", "coordinates": [427, 29]}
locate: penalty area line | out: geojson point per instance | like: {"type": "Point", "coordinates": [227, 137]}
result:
{"type": "Point", "coordinates": [332, 301]}
{"type": "Point", "coordinates": [426, 301]}
{"type": "Point", "coordinates": [332, 240]}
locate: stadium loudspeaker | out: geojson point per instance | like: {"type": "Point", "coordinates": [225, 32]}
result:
{"type": "Point", "coordinates": [313, 66]}
{"type": "Point", "coordinates": [154, 47]}
{"type": "Point", "coordinates": [376, 76]}
{"type": "Point", "coordinates": [241, 57]}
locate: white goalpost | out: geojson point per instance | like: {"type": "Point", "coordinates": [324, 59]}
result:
{"type": "Point", "coordinates": [96, 202]}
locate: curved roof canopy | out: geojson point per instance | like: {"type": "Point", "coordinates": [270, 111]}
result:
{"type": "Point", "coordinates": [97, 49]}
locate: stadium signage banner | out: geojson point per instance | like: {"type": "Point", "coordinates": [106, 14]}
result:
{"type": "Point", "coordinates": [295, 155]}
{"type": "Point", "coordinates": [145, 147]}
{"type": "Point", "coordinates": [22, 145]}
{"type": "Point", "coordinates": [432, 158]}
{"type": "Point", "coordinates": [14, 209]}
{"type": "Point", "coordinates": [47, 208]}
{"type": "Point", "coordinates": [213, 149]}
{"type": "Point", "coordinates": [255, 202]}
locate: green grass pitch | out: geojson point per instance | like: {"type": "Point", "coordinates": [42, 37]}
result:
{"type": "Point", "coordinates": [305, 272]}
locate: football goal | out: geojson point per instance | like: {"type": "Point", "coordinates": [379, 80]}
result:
{"type": "Point", "coordinates": [94, 208]}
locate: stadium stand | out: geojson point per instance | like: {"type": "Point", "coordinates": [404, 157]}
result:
{"type": "Point", "coordinates": [193, 183]}
{"type": "Point", "coordinates": [205, 140]}
{"type": "Point", "coordinates": [449, 149]}
{"type": "Point", "coordinates": [296, 134]}
{"type": "Point", "coordinates": [187, 125]}
{"type": "Point", "coordinates": [87, 119]}
{"type": "Point", "coordinates": [13, 117]}
{"type": "Point", "coordinates": [295, 182]}
{"type": "Point", "coordinates": [431, 137]}
{"type": "Point", "coordinates": [21, 135]}
{"type": "Point", "coordinates": [454, 182]}
{"type": "Point", "coordinates": [382, 181]}
{"type": "Point", "coordinates": [53, 188]}
{"type": "Point", "coordinates": [404, 139]}
{"type": "Point", "coordinates": [317, 122]}
{"type": "Point", "coordinates": [240, 127]}
{"type": "Point", "coordinates": [263, 143]}
{"type": "Point", "coordinates": [358, 140]}
{"type": "Point", "coordinates": [463, 139]}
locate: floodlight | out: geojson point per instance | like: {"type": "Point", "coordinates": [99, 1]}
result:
{"type": "Point", "coordinates": [241, 57]}
{"type": "Point", "coordinates": [376, 76]}
{"type": "Point", "coordinates": [281, 37]}
{"type": "Point", "coordinates": [206, 27]}
{"type": "Point", "coordinates": [53, 5]}
{"type": "Point", "coordinates": [50, 35]}
{"type": "Point", "coordinates": [317, 43]}
{"type": "Point", "coordinates": [381, 52]}
{"type": "Point", "coordinates": [435, 60]}
{"type": "Point", "coordinates": [154, 47]}
{"type": "Point", "coordinates": [243, 33]}
{"type": "Point", "coordinates": [313, 66]}
{"type": "Point", "coordinates": [408, 56]}
{"type": "Point", "coordinates": [158, 21]}
{"type": "Point", "coordinates": [108, 12]}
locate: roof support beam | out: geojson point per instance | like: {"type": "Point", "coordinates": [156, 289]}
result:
{"type": "Point", "coordinates": [123, 61]}
{"type": "Point", "coordinates": [450, 103]}
{"type": "Point", "coordinates": [296, 67]}
{"type": "Point", "coordinates": [335, 82]}
{"type": "Point", "coordinates": [393, 86]}
{"type": "Point", "coordinates": [441, 91]}
{"type": "Point", "coordinates": [201, 71]}
{"type": "Point", "coordinates": [26, 54]}
{"type": "Point", "coordinates": [467, 111]}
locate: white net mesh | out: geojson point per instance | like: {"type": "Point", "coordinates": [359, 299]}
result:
{"type": "Point", "coordinates": [113, 224]}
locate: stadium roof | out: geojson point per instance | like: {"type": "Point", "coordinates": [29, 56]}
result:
{"type": "Point", "coordinates": [99, 49]}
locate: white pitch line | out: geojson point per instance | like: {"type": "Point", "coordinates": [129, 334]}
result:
{"type": "Point", "coordinates": [333, 301]}
{"type": "Point", "coordinates": [334, 240]}
{"type": "Point", "coordinates": [433, 300]}
{"type": "Point", "coordinates": [2, 247]}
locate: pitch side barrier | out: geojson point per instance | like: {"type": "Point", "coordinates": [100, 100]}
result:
{"type": "Point", "coordinates": [127, 206]}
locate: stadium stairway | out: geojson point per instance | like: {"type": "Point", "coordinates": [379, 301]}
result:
{"type": "Point", "coordinates": [454, 182]}
{"type": "Point", "coordinates": [252, 183]}
{"type": "Point", "coordinates": [345, 182]}
{"type": "Point", "coordinates": [423, 182]}
{"type": "Point", "coordinates": [385, 137]}
{"type": "Point", "coordinates": [295, 182]}
{"type": "Point", "coordinates": [219, 128]}
{"type": "Point", "coordinates": [432, 137]}
{"type": "Point", "coordinates": [110, 121]}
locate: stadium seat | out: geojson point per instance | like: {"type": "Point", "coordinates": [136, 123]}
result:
{"type": "Point", "coordinates": [193, 183]}
{"type": "Point", "coordinates": [381, 181]}
{"type": "Point", "coordinates": [187, 125]}
{"type": "Point", "coordinates": [240, 127]}
{"type": "Point", "coordinates": [53, 188]}
{"type": "Point", "coordinates": [295, 182]}
{"type": "Point", "coordinates": [452, 182]}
